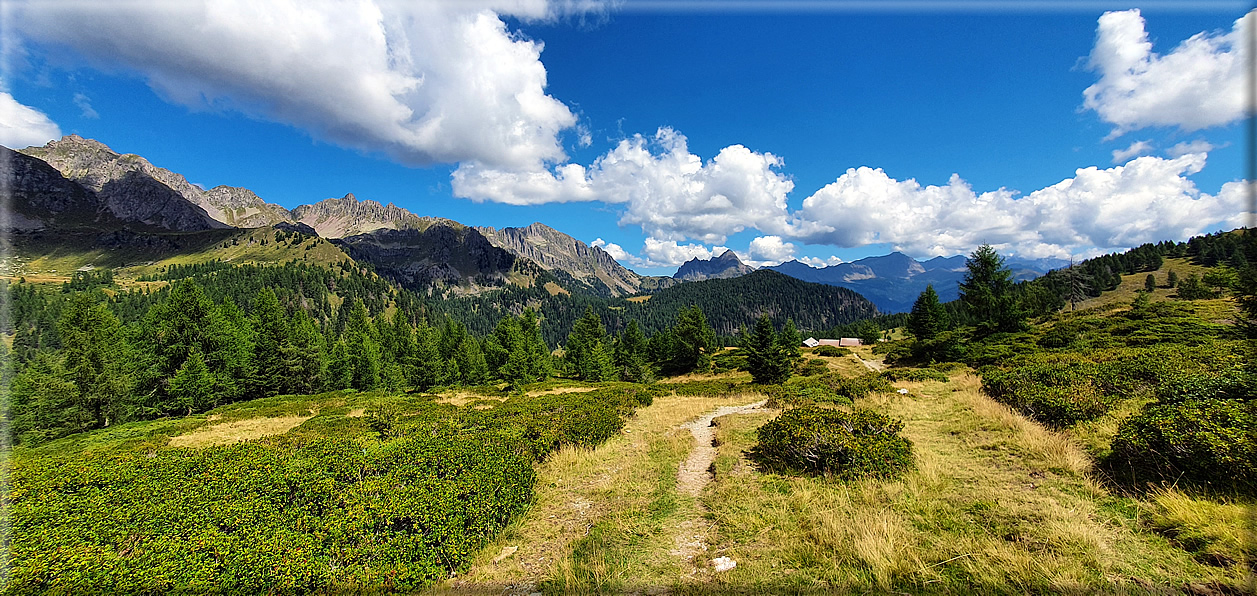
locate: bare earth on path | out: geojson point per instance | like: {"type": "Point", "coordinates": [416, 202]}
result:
{"type": "Point", "coordinates": [636, 493]}
{"type": "Point", "coordinates": [695, 474]}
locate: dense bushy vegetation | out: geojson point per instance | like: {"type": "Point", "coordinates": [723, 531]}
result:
{"type": "Point", "coordinates": [1189, 378]}
{"type": "Point", "coordinates": [389, 502]}
{"type": "Point", "coordinates": [844, 445]}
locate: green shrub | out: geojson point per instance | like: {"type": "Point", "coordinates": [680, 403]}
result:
{"type": "Point", "coordinates": [857, 387]}
{"type": "Point", "coordinates": [1231, 384]}
{"type": "Point", "coordinates": [812, 367]}
{"type": "Point", "coordinates": [811, 440]}
{"type": "Point", "coordinates": [260, 517]}
{"type": "Point", "coordinates": [831, 351]}
{"type": "Point", "coordinates": [545, 423]}
{"type": "Point", "coordinates": [712, 387]}
{"type": "Point", "coordinates": [914, 374]}
{"type": "Point", "coordinates": [1211, 442]}
{"type": "Point", "coordinates": [801, 391]}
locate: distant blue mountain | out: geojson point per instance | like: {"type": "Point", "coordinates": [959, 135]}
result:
{"type": "Point", "coordinates": [893, 281]}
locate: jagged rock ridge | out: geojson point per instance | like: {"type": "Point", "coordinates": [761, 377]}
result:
{"type": "Point", "coordinates": [724, 266]}
{"type": "Point", "coordinates": [558, 252]}
{"type": "Point", "coordinates": [135, 190]}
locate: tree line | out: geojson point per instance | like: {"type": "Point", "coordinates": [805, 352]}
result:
{"type": "Point", "coordinates": [188, 353]}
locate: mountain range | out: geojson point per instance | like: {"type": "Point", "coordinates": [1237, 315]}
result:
{"type": "Point", "coordinates": [106, 189]}
{"type": "Point", "coordinates": [894, 281]}
{"type": "Point", "coordinates": [81, 186]}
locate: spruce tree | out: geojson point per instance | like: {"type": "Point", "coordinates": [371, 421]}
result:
{"type": "Point", "coordinates": [1150, 283]}
{"type": "Point", "coordinates": [585, 354]}
{"type": "Point", "coordinates": [340, 373]}
{"type": "Point", "coordinates": [272, 340]}
{"type": "Point", "coordinates": [928, 317]}
{"type": "Point", "coordinates": [766, 358]}
{"type": "Point", "coordinates": [96, 358]}
{"type": "Point", "coordinates": [630, 355]}
{"type": "Point", "coordinates": [791, 343]}
{"type": "Point", "coordinates": [428, 370]}
{"type": "Point", "coordinates": [192, 386]}
{"type": "Point", "coordinates": [304, 357]}
{"type": "Point", "coordinates": [692, 342]}
{"type": "Point", "coordinates": [987, 292]}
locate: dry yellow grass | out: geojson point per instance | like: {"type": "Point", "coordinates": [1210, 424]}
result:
{"type": "Point", "coordinates": [639, 298]}
{"type": "Point", "coordinates": [996, 503]}
{"type": "Point", "coordinates": [601, 517]}
{"type": "Point", "coordinates": [561, 390]}
{"type": "Point", "coordinates": [237, 431]}
{"type": "Point", "coordinates": [555, 289]}
{"type": "Point", "coordinates": [463, 398]}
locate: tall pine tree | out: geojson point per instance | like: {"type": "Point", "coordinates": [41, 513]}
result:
{"type": "Point", "coordinates": [987, 292]}
{"type": "Point", "coordinates": [928, 317]}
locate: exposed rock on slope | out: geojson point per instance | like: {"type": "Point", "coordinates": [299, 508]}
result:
{"type": "Point", "coordinates": [42, 198]}
{"type": "Point", "coordinates": [440, 254]}
{"type": "Point", "coordinates": [556, 251]}
{"type": "Point", "coordinates": [136, 190]}
{"type": "Point", "coordinates": [722, 267]}
{"type": "Point", "coordinates": [348, 216]}
{"type": "Point", "coordinates": [130, 187]}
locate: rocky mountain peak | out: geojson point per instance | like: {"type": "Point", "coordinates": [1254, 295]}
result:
{"type": "Point", "coordinates": [722, 267]}
{"type": "Point", "coordinates": [350, 216]}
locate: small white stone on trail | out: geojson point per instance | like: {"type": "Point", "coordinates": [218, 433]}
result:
{"type": "Point", "coordinates": [723, 563]}
{"type": "Point", "coordinates": [507, 551]}
{"type": "Point", "coordinates": [903, 392]}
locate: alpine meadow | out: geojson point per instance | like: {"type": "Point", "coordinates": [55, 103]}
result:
{"type": "Point", "coordinates": [787, 351]}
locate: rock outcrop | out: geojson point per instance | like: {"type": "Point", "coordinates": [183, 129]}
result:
{"type": "Point", "coordinates": [724, 266]}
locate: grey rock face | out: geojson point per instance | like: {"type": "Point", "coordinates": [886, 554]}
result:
{"type": "Point", "coordinates": [135, 190]}
{"type": "Point", "coordinates": [554, 250]}
{"type": "Point", "coordinates": [41, 197]}
{"type": "Point", "coordinates": [440, 254]}
{"type": "Point", "coordinates": [724, 266]}
{"type": "Point", "coordinates": [348, 216]}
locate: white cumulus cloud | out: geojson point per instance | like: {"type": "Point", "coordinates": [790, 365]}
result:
{"type": "Point", "coordinates": [1198, 84]}
{"type": "Point", "coordinates": [668, 253]}
{"type": "Point", "coordinates": [1136, 148]}
{"type": "Point", "coordinates": [671, 193]}
{"type": "Point", "coordinates": [22, 126]}
{"type": "Point", "coordinates": [820, 263]}
{"type": "Point", "coordinates": [423, 81]}
{"type": "Point", "coordinates": [1146, 200]}
{"type": "Point", "coordinates": [1194, 146]}
{"type": "Point", "coordinates": [768, 250]}
{"type": "Point", "coordinates": [618, 253]}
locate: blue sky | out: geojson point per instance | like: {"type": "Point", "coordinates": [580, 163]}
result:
{"type": "Point", "coordinates": [824, 133]}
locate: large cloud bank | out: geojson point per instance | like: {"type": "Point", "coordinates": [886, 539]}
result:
{"type": "Point", "coordinates": [423, 81]}
{"type": "Point", "coordinates": [1198, 84]}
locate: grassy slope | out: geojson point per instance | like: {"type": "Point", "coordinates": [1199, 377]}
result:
{"type": "Point", "coordinates": [997, 504]}
{"type": "Point", "coordinates": [56, 262]}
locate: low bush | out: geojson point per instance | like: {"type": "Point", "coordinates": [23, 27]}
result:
{"type": "Point", "coordinates": [1210, 442]}
{"type": "Point", "coordinates": [801, 391]}
{"type": "Point", "coordinates": [857, 387]}
{"type": "Point", "coordinates": [545, 423]}
{"type": "Point", "coordinates": [261, 517]}
{"type": "Point", "coordinates": [914, 374]}
{"type": "Point", "coordinates": [831, 351]}
{"type": "Point", "coordinates": [812, 367]}
{"type": "Point", "coordinates": [811, 440]}
{"type": "Point", "coordinates": [713, 387]}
